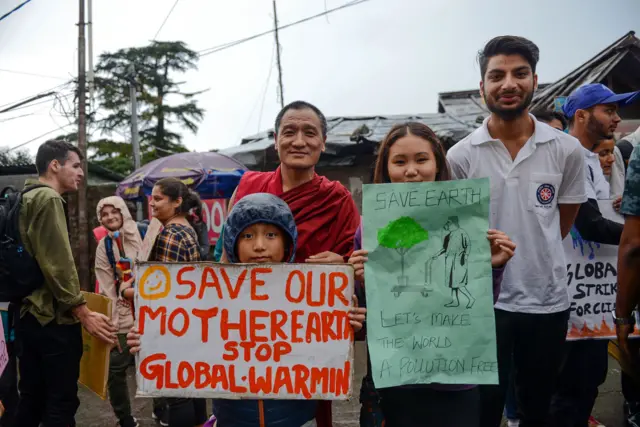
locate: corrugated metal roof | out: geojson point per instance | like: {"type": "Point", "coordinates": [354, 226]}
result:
{"type": "Point", "coordinates": [346, 132]}
{"type": "Point", "coordinates": [592, 71]}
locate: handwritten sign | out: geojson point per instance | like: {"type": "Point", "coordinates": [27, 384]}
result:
{"type": "Point", "coordinates": [429, 283]}
{"type": "Point", "coordinates": [593, 283]}
{"type": "Point", "coordinates": [94, 365]}
{"type": "Point", "coordinates": [274, 331]}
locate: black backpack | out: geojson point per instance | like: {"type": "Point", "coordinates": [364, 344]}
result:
{"type": "Point", "coordinates": [20, 274]}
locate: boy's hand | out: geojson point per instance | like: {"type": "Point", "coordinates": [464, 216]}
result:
{"type": "Point", "coordinates": [502, 248]}
{"type": "Point", "coordinates": [326, 257]}
{"type": "Point", "coordinates": [357, 315]}
{"type": "Point", "coordinates": [133, 340]}
{"type": "Point", "coordinates": [97, 324]}
{"type": "Point", "coordinates": [357, 259]}
{"type": "Point", "coordinates": [617, 203]}
{"type": "Point", "coordinates": [126, 285]}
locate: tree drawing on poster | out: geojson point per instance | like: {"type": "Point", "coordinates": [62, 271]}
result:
{"type": "Point", "coordinates": [401, 235]}
{"type": "Point", "coordinates": [429, 238]}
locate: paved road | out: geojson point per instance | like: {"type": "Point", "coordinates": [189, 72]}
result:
{"type": "Point", "coordinates": [94, 412]}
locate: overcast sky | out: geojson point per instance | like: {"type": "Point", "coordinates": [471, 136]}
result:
{"type": "Point", "coordinates": [376, 58]}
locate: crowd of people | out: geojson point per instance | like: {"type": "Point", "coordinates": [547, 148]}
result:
{"type": "Point", "coordinates": [293, 214]}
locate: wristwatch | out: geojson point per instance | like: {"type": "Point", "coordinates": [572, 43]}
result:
{"type": "Point", "coordinates": [621, 321]}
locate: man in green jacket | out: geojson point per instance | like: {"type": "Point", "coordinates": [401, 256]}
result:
{"type": "Point", "coordinates": [48, 332]}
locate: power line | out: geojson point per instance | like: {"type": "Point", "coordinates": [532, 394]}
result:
{"type": "Point", "coordinates": [14, 9]}
{"type": "Point", "coordinates": [36, 138]}
{"type": "Point", "coordinates": [33, 74]}
{"type": "Point", "coordinates": [228, 45]}
{"type": "Point", "coordinates": [37, 93]}
{"type": "Point", "coordinates": [165, 19]}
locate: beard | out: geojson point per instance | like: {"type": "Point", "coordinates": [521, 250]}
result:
{"type": "Point", "coordinates": [512, 113]}
{"type": "Point", "coordinates": [597, 129]}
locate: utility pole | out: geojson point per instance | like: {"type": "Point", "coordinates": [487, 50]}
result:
{"type": "Point", "coordinates": [135, 142]}
{"type": "Point", "coordinates": [275, 23]}
{"type": "Point", "coordinates": [84, 273]}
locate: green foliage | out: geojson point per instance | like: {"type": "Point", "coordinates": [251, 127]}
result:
{"type": "Point", "coordinates": [155, 66]}
{"type": "Point", "coordinates": [15, 158]}
{"type": "Point", "coordinates": [402, 234]}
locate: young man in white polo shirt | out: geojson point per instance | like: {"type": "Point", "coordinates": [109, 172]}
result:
{"type": "Point", "coordinates": [537, 185]}
{"type": "Point", "coordinates": [592, 111]}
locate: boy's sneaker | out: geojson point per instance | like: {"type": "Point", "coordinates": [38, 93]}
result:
{"type": "Point", "coordinates": [594, 423]}
{"type": "Point", "coordinates": [160, 418]}
{"type": "Point", "coordinates": [128, 422]}
{"type": "Point", "coordinates": [513, 423]}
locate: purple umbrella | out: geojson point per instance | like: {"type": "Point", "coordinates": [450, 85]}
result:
{"type": "Point", "coordinates": [212, 175]}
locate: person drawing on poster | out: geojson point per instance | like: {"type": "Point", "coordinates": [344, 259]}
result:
{"type": "Point", "coordinates": [455, 248]}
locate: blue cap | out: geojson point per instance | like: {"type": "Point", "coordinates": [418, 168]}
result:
{"type": "Point", "coordinates": [595, 94]}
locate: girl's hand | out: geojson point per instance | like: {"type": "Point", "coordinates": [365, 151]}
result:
{"type": "Point", "coordinates": [502, 248]}
{"type": "Point", "coordinates": [126, 285]}
{"type": "Point", "coordinates": [133, 340]}
{"type": "Point", "coordinates": [357, 315]}
{"type": "Point", "coordinates": [358, 258]}
{"type": "Point", "coordinates": [326, 257]}
{"type": "Point", "coordinates": [617, 203]}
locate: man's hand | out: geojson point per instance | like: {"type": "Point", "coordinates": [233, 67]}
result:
{"type": "Point", "coordinates": [133, 340]}
{"type": "Point", "coordinates": [326, 257]}
{"type": "Point", "coordinates": [97, 324]}
{"type": "Point", "coordinates": [628, 359]}
{"type": "Point", "coordinates": [617, 203]}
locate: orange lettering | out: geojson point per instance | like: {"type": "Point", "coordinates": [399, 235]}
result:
{"type": "Point", "coordinates": [255, 326]}
{"type": "Point", "coordinates": [233, 292]}
{"type": "Point", "coordinates": [255, 282]}
{"type": "Point", "coordinates": [219, 376]}
{"type": "Point", "coordinates": [209, 283]}
{"type": "Point", "coordinates": [247, 346]}
{"type": "Point", "coordinates": [280, 349]}
{"type": "Point", "coordinates": [225, 325]}
{"type": "Point", "coordinates": [337, 292]}
{"type": "Point", "coordinates": [167, 377]}
{"type": "Point", "coordinates": [203, 375]}
{"type": "Point", "coordinates": [263, 352]}
{"type": "Point", "coordinates": [260, 383]}
{"type": "Point", "coordinates": [278, 320]}
{"type": "Point", "coordinates": [231, 351]}
{"type": "Point", "coordinates": [319, 376]}
{"type": "Point", "coordinates": [185, 322]}
{"type": "Point", "coordinates": [313, 328]}
{"type": "Point", "coordinates": [204, 316]}
{"type": "Point", "coordinates": [342, 379]}
{"type": "Point", "coordinates": [310, 289]}
{"type": "Point", "coordinates": [189, 283]}
{"type": "Point", "coordinates": [283, 379]}
{"type": "Point", "coordinates": [233, 387]}
{"type": "Point", "coordinates": [287, 294]}
{"type": "Point", "coordinates": [145, 310]}
{"type": "Point", "coordinates": [328, 334]}
{"type": "Point", "coordinates": [186, 374]}
{"type": "Point", "coordinates": [151, 371]}
{"type": "Point", "coordinates": [301, 374]}
{"type": "Point", "coordinates": [296, 325]}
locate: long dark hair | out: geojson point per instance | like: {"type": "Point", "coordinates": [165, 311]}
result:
{"type": "Point", "coordinates": [381, 173]}
{"type": "Point", "coordinates": [174, 189]}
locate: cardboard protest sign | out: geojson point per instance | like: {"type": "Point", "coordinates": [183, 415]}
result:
{"type": "Point", "coordinates": [429, 283]}
{"type": "Point", "coordinates": [270, 331]}
{"type": "Point", "coordinates": [94, 365]}
{"type": "Point", "coordinates": [592, 282]}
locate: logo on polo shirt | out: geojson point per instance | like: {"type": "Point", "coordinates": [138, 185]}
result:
{"type": "Point", "coordinates": [545, 194]}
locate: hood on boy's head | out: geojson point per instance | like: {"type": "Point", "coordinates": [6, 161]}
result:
{"type": "Point", "coordinates": [258, 208]}
{"type": "Point", "coordinates": [117, 203]}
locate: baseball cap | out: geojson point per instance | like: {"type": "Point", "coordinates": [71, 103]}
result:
{"type": "Point", "coordinates": [595, 94]}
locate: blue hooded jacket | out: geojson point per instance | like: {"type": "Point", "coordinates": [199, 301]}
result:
{"type": "Point", "coordinates": [253, 209]}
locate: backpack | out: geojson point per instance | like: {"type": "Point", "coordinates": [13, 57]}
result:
{"type": "Point", "coordinates": [108, 245]}
{"type": "Point", "coordinates": [20, 273]}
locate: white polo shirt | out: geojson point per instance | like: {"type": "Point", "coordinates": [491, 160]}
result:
{"type": "Point", "coordinates": [525, 193]}
{"type": "Point", "coordinates": [597, 186]}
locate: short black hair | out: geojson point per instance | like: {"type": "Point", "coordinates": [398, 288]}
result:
{"type": "Point", "coordinates": [547, 116]}
{"type": "Point", "coordinates": [54, 150]}
{"type": "Point", "coordinates": [509, 45]}
{"type": "Point", "coordinates": [302, 105]}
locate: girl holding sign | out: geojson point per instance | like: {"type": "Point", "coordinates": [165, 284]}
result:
{"type": "Point", "coordinates": [411, 152]}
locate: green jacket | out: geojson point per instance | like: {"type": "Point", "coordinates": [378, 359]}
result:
{"type": "Point", "coordinates": [43, 229]}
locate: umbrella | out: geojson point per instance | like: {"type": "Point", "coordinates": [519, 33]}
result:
{"type": "Point", "coordinates": [212, 175]}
